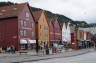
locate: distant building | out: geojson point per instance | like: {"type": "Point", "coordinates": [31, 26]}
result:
{"type": "Point", "coordinates": [84, 37]}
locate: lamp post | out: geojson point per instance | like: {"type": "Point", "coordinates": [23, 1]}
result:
{"type": "Point", "coordinates": [36, 45]}
{"type": "Point", "coordinates": [75, 35]}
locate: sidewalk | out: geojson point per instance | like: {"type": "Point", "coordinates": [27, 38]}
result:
{"type": "Point", "coordinates": [30, 57]}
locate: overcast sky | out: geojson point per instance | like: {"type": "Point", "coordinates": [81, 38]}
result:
{"type": "Point", "coordinates": [82, 10]}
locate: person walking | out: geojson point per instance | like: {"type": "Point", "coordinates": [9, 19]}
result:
{"type": "Point", "coordinates": [8, 49]}
{"type": "Point", "coordinates": [12, 49]}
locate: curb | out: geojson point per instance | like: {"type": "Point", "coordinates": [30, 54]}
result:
{"type": "Point", "coordinates": [53, 57]}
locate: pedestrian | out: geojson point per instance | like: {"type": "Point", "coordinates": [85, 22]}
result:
{"type": "Point", "coordinates": [8, 49]}
{"type": "Point", "coordinates": [47, 49]}
{"type": "Point", "coordinates": [12, 49]}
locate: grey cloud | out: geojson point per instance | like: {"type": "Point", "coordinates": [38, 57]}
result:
{"type": "Point", "coordinates": [75, 9]}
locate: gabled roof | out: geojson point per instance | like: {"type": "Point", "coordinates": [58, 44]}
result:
{"type": "Point", "coordinates": [11, 10]}
{"type": "Point", "coordinates": [36, 14]}
{"type": "Point", "coordinates": [48, 19]}
{"type": "Point", "coordinates": [56, 19]}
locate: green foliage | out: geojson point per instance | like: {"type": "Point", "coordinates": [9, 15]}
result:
{"type": "Point", "coordinates": [35, 9]}
{"type": "Point", "coordinates": [5, 3]}
{"type": "Point", "coordinates": [50, 14]}
{"type": "Point", "coordinates": [82, 24]}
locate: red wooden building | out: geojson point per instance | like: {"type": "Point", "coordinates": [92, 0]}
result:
{"type": "Point", "coordinates": [17, 27]}
{"type": "Point", "coordinates": [57, 31]}
{"type": "Point", "coordinates": [51, 31]}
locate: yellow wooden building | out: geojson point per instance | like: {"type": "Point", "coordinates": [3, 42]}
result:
{"type": "Point", "coordinates": [42, 28]}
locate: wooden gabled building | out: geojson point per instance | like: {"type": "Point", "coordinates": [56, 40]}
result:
{"type": "Point", "coordinates": [51, 31]}
{"type": "Point", "coordinates": [17, 26]}
{"type": "Point", "coordinates": [42, 28]}
{"type": "Point", "coordinates": [57, 31]}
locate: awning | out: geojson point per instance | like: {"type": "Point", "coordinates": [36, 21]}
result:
{"type": "Point", "coordinates": [32, 41]}
{"type": "Point", "coordinates": [22, 41]}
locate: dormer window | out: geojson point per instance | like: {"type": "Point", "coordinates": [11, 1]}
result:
{"type": "Point", "coordinates": [14, 8]}
{"type": "Point", "coordinates": [3, 10]}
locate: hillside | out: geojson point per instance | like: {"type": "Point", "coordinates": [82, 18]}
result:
{"type": "Point", "coordinates": [61, 18]}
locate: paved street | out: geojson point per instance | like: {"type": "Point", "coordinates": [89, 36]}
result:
{"type": "Point", "coordinates": [13, 58]}
{"type": "Point", "coordinates": [86, 58]}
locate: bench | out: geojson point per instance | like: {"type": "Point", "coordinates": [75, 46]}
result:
{"type": "Point", "coordinates": [25, 52]}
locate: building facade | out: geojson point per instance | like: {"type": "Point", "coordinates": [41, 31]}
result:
{"type": "Point", "coordinates": [57, 31]}
{"type": "Point", "coordinates": [42, 28]}
{"type": "Point", "coordinates": [17, 26]}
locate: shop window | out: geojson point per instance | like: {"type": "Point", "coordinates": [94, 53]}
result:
{"type": "Point", "coordinates": [23, 46]}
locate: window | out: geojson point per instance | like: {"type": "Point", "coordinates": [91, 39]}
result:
{"type": "Point", "coordinates": [21, 22]}
{"type": "Point", "coordinates": [51, 36]}
{"type": "Point", "coordinates": [45, 28]}
{"type": "Point", "coordinates": [23, 46]}
{"type": "Point", "coordinates": [21, 32]}
{"type": "Point", "coordinates": [40, 26]}
{"type": "Point", "coordinates": [1, 13]}
{"type": "Point", "coordinates": [32, 25]}
{"type": "Point", "coordinates": [32, 33]}
{"type": "Point", "coordinates": [25, 32]}
{"type": "Point", "coordinates": [45, 35]}
{"type": "Point", "coordinates": [40, 34]}
{"type": "Point", "coordinates": [27, 14]}
{"type": "Point", "coordinates": [25, 23]}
